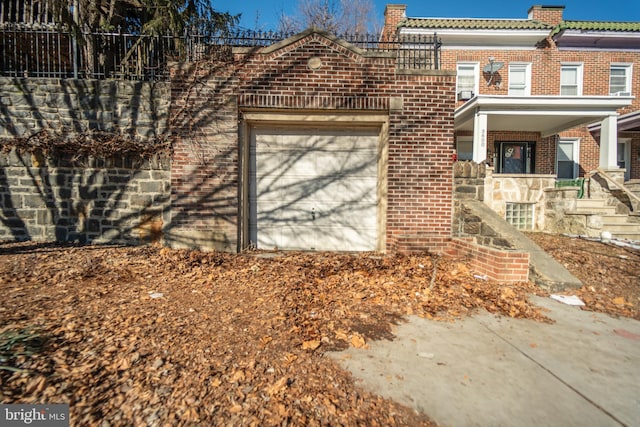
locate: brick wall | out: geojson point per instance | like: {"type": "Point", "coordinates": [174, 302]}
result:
{"type": "Point", "coordinates": [119, 200]}
{"type": "Point", "coordinates": [497, 264]}
{"type": "Point", "coordinates": [545, 80]}
{"type": "Point", "coordinates": [340, 78]}
{"type": "Point", "coordinates": [393, 14]}
{"type": "Point", "coordinates": [205, 167]}
{"type": "Point", "coordinates": [551, 15]}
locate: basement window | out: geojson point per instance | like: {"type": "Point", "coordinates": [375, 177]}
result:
{"type": "Point", "coordinates": [520, 215]}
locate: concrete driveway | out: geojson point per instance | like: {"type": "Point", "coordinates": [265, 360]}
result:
{"type": "Point", "coordinates": [583, 370]}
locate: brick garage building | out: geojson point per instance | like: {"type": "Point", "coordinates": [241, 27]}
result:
{"type": "Point", "coordinates": [314, 144]}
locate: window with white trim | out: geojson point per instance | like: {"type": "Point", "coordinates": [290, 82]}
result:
{"type": "Point", "coordinates": [567, 158]}
{"type": "Point", "coordinates": [468, 76]}
{"type": "Point", "coordinates": [519, 79]}
{"type": "Point", "coordinates": [620, 79]}
{"type": "Point", "coordinates": [464, 147]}
{"type": "Point", "coordinates": [571, 79]}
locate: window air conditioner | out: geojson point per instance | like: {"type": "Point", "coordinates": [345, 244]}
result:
{"type": "Point", "coordinates": [622, 94]}
{"type": "Point", "coordinates": [464, 95]}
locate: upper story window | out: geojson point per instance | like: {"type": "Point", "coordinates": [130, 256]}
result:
{"type": "Point", "coordinates": [571, 79]}
{"type": "Point", "coordinates": [620, 79]}
{"type": "Point", "coordinates": [519, 79]}
{"type": "Point", "coordinates": [467, 80]}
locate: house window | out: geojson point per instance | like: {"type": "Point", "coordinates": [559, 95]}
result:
{"type": "Point", "coordinates": [567, 158]}
{"type": "Point", "coordinates": [464, 147]}
{"type": "Point", "coordinates": [571, 80]}
{"type": "Point", "coordinates": [624, 155]}
{"type": "Point", "coordinates": [520, 215]}
{"type": "Point", "coordinates": [467, 80]}
{"type": "Point", "coordinates": [620, 79]}
{"type": "Point", "coordinates": [515, 157]}
{"type": "Point", "coordinates": [520, 79]}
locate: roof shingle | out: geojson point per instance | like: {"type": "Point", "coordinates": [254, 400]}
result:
{"type": "Point", "coordinates": [597, 26]}
{"type": "Point", "coordinates": [474, 24]}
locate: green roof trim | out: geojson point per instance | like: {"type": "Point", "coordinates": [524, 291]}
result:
{"type": "Point", "coordinates": [596, 26]}
{"type": "Point", "coordinates": [473, 24]}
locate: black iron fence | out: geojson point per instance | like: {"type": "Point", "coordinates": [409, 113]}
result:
{"type": "Point", "coordinates": [26, 51]}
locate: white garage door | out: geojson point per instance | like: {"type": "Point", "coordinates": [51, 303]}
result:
{"type": "Point", "coordinates": [313, 189]}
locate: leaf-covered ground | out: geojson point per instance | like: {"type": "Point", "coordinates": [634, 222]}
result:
{"type": "Point", "coordinates": [610, 273]}
{"type": "Point", "coordinates": [153, 336]}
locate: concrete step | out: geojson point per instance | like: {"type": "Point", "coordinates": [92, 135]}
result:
{"type": "Point", "coordinates": [590, 203]}
{"type": "Point", "coordinates": [621, 228]}
{"type": "Point", "coordinates": [597, 210]}
{"type": "Point", "coordinates": [616, 219]}
{"type": "Point", "coordinates": [628, 236]}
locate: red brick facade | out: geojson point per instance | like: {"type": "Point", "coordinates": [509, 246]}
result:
{"type": "Point", "coordinates": [209, 111]}
{"type": "Point", "coordinates": [546, 60]}
{"type": "Point", "coordinates": [497, 264]}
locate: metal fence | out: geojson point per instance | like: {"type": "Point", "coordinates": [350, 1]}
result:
{"type": "Point", "coordinates": [48, 52]}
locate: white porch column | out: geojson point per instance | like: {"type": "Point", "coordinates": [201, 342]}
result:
{"type": "Point", "coordinates": [480, 137]}
{"type": "Point", "coordinates": [609, 143]}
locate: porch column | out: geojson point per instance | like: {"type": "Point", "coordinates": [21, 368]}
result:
{"type": "Point", "coordinates": [480, 137]}
{"type": "Point", "coordinates": [609, 143]}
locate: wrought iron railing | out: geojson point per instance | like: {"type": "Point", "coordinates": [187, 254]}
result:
{"type": "Point", "coordinates": [48, 52]}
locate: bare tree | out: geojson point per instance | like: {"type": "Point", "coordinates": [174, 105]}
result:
{"type": "Point", "coordinates": [334, 16]}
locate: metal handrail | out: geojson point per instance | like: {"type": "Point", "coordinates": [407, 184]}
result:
{"type": "Point", "coordinates": [610, 180]}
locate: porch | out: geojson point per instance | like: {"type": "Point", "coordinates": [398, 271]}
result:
{"type": "Point", "coordinates": [535, 118]}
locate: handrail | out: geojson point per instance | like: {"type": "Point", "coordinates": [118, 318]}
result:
{"type": "Point", "coordinates": [621, 187]}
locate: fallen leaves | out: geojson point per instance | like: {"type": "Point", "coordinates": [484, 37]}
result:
{"type": "Point", "coordinates": [311, 345]}
{"type": "Point", "coordinates": [228, 339]}
{"type": "Point", "coordinates": [610, 274]}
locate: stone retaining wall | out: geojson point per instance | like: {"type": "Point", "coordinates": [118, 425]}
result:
{"type": "Point", "coordinates": [28, 105]}
{"type": "Point", "coordinates": [119, 200]}
{"type": "Point", "coordinates": [469, 184]}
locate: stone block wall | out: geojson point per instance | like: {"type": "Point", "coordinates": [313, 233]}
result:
{"type": "Point", "coordinates": [120, 200]}
{"type": "Point", "coordinates": [28, 105]}
{"type": "Point", "coordinates": [501, 189]}
{"type": "Point", "coordinates": [114, 200]}
{"type": "Point", "coordinates": [469, 184]}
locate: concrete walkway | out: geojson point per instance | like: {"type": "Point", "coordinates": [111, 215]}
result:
{"type": "Point", "coordinates": [583, 370]}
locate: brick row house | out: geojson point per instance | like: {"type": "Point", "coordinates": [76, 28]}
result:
{"type": "Point", "coordinates": [540, 96]}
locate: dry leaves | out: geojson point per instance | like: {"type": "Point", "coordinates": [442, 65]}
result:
{"type": "Point", "coordinates": [234, 339]}
{"type": "Point", "coordinates": [610, 274]}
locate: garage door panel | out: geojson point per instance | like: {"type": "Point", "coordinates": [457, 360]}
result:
{"type": "Point", "coordinates": [313, 214]}
{"type": "Point", "coordinates": [306, 238]}
{"type": "Point", "coordinates": [291, 189]}
{"type": "Point", "coordinates": [317, 162]}
{"type": "Point", "coordinates": [314, 189]}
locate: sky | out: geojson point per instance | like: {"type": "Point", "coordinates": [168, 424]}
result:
{"type": "Point", "coordinates": [264, 14]}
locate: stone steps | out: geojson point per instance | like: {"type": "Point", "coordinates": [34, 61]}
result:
{"type": "Point", "coordinates": [619, 225]}
{"type": "Point", "coordinates": [596, 206]}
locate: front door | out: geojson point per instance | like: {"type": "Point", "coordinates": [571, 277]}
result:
{"type": "Point", "coordinates": [514, 157]}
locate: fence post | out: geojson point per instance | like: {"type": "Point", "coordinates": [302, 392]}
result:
{"type": "Point", "coordinates": [76, 18]}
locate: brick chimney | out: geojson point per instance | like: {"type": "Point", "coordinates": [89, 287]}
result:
{"type": "Point", "coordinates": [393, 14]}
{"type": "Point", "coordinates": [551, 15]}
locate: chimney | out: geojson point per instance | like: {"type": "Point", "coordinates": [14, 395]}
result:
{"type": "Point", "coordinates": [551, 15]}
{"type": "Point", "coordinates": [393, 14]}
